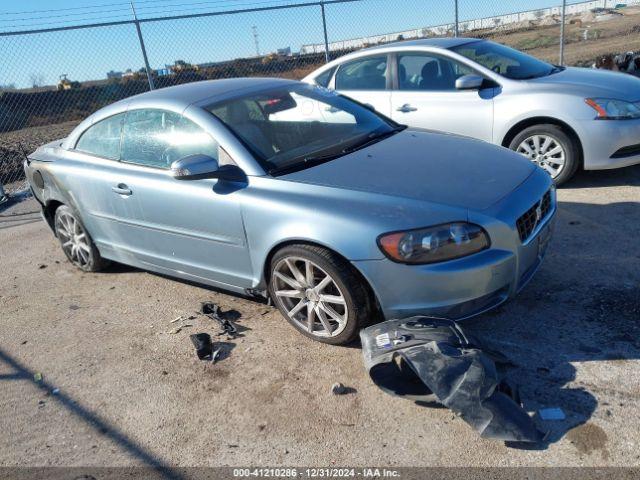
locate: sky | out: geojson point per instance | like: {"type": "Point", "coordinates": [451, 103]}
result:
{"type": "Point", "coordinates": [86, 54]}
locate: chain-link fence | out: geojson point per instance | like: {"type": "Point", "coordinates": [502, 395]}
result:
{"type": "Point", "coordinates": [54, 77]}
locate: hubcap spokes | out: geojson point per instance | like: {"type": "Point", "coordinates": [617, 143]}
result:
{"type": "Point", "coordinates": [74, 240]}
{"type": "Point", "coordinates": [544, 151]}
{"type": "Point", "coordinates": [311, 298]}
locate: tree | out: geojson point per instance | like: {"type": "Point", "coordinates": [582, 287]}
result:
{"type": "Point", "coordinates": [36, 80]}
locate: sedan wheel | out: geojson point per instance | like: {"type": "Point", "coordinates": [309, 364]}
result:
{"type": "Point", "coordinates": [545, 151]}
{"type": "Point", "coordinates": [319, 293]}
{"type": "Point", "coordinates": [552, 148]}
{"type": "Point", "coordinates": [311, 298]}
{"type": "Point", "coordinates": [75, 241]}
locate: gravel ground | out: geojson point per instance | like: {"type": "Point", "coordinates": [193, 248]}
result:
{"type": "Point", "coordinates": [132, 394]}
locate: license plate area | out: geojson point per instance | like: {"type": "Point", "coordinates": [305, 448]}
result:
{"type": "Point", "coordinates": [543, 240]}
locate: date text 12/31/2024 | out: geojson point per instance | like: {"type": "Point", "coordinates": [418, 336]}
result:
{"type": "Point", "coordinates": [316, 473]}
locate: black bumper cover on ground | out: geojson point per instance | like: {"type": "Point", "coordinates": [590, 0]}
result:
{"type": "Point", "coordinates": [426, 360]}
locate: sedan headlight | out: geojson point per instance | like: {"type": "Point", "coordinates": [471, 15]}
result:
{"type": "Point", "coordinates": [612, 109]}
{"type": "Point", "coordinates": [434, 244]}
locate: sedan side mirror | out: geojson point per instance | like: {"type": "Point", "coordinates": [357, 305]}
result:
{"type": "Point", "coordinates": [194, 167]}
{"type": "Point", "coordinates": [469, 82]}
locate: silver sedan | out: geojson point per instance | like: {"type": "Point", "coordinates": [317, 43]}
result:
{"type": "Point", "coordinates": [281, 189]}
{"type": "Point", "coordinates": [561, 118]}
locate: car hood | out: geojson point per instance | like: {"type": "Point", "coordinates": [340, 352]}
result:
{"type": "Point", "coordinates": [427, 166]}
{"type": "Point", "coordinates": [594, 82]}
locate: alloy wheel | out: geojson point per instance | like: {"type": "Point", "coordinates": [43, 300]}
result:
{"type": "Point", "coordinates": [545, 151]}
{"type": "Point", "coordinates": [74, 240]}
{"type": "Point", "coordinates": [310, 296]}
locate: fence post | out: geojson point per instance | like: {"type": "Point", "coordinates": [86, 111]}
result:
{"type": "Point", "coordinates": [144, 50]}
{"type": "Point", "coordinates": [326, 37]}
{"type": "Point", "coordinates": [562, 22]}
{"type": "Point", "coordinates": [455, 26]}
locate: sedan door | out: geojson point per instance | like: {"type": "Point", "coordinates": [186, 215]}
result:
{"type": "Point", "coordinates": [366, 80]}
{"type": "Point", "coordinates": [425, 96]}
{"type": "Point", "coordinates": [192, 228]}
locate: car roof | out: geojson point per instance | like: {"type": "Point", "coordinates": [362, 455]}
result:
{"type": "Point", "coordinates": [178, 98]}
{"type": "Point", "coordinates": [445, 42]}
{"type": "Point", "coordinates": [190, 93]}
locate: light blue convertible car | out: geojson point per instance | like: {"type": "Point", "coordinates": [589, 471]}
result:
{"type": "Point", "coordinates": [278, 188]}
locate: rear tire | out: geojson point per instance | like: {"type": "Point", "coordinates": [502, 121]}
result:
{"type": "Point", "coordinates": [551, 148]}
{"type": "Point", "coordinates": [319, 293]}
{"type": "Point", "coordinates": [75, 241]}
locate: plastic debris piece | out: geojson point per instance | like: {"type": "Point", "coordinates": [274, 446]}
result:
{"type": "Point", "coordinates": [554, 413]}
{"type": "Point", "coordinates": [176, 319]}
{"type": "Point", "coordinates": [432, 360]}
{"type": "Point", "coordinates": [213, 311]}
{"type": "Point", "coordinates": [338, 389]}
{"type": "Point", "coordinates": [55, 391]}
{"type": "Point", "coordinates": [203, 344]}
{"type": "Point", "coordinates": [38, 377]}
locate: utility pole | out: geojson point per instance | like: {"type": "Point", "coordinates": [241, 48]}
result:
{"type": "Point", "coordinates": [563, 20]}
{"type": "Point", "coordinates": [326, 38]}
{"type": "Point", "coordinates": [254, 29]}
{"type": "Point", "coordinates": [455, 27]}
{"type": "Point", "coordinates": [142, 47]}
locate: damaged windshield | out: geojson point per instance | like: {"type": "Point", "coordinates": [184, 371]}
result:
{"type": "Point", "coordinates": [295, 127]}
{"type": "Point", "coordinates": [506, 61]}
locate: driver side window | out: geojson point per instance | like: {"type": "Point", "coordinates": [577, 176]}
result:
{"type": "Point", "coordinates": [157, 138]}
{"type": "Point", "coordinates": [423, 72]}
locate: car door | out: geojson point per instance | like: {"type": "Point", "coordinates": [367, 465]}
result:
{"type": "Point", "coordinates": [94, 157]}
{"type": "Point", "coordinates": [366, 80]}
{"type": "Point", "coordinates": [191, 228]}
{"type": "Point", "coordinates": [424, 95]}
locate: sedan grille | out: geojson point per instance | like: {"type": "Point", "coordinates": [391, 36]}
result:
{"type": "Point", "coordinates": [528, 222]}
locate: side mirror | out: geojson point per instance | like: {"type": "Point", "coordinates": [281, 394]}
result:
{"type": "Point", "coordinates": [194, 167]}
{"type": "Point", "coordinates": [469, 82]}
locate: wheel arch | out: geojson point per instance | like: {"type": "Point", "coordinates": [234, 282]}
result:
{"type": "Point", "coordinates": [374, 305]}
{"type": "Point", "coordinates": [542, 120]}
{"type": "Point", "coordinates": [49, 211]}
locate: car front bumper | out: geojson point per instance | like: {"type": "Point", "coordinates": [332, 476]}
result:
{"type": "Point", "coordinates": [610, 143]}
{"type": "Point", "coordinates": [468, 286]}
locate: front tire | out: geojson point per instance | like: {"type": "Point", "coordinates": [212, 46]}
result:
{"type": "Point", "coordinates": [551, 148]}
{"type": "Point", "coordinates": [319, 293]}
{"type": "Point", "coordinates": [76, 243]}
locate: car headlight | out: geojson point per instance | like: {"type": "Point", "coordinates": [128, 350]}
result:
{"type": "Point", "coordinates": [612, 109]}
{"type": "Point", "coordinates": [434, 244]}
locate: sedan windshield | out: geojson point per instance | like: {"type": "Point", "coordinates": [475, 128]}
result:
{"type": "Point", "coordinates": [505, 61]}
{"type": "Point", "coordinates": [297, 126]}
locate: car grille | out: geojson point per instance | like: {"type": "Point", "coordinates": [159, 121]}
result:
{"type": "Point", "coordinates": [528, 222]}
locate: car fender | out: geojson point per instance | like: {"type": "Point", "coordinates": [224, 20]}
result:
{"type": "Point", "coordinates": [513, 108]}
{"type": "Point", "coordinates": [278, 212]}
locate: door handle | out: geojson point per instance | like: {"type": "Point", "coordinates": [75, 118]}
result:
{"type": "Point", "coordinates": [406, 108]}
{"type": "Point", "coordinates": [122, 189]}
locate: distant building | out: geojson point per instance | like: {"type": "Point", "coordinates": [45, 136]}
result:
{"type": "Point", "coordinates": [114, 75]}
{"type": "Point", "coordinates": [284, 52]}
{"type": "Point", "coordinates": [163, 72]}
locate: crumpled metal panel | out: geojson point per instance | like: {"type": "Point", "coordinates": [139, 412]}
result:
{"type": "Point", "coordinates": [428, 359]}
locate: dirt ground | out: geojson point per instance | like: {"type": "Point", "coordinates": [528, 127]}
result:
{"type": "Point", "coordinates": [130, 393]}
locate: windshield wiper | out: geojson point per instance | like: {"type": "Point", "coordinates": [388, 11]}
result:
{"type": "Point", "coordinates": [556, 69]}
{"type": "Point", "coordinates": [312, 160]}
{"type": "Point", "coordinates": [374, 137]}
